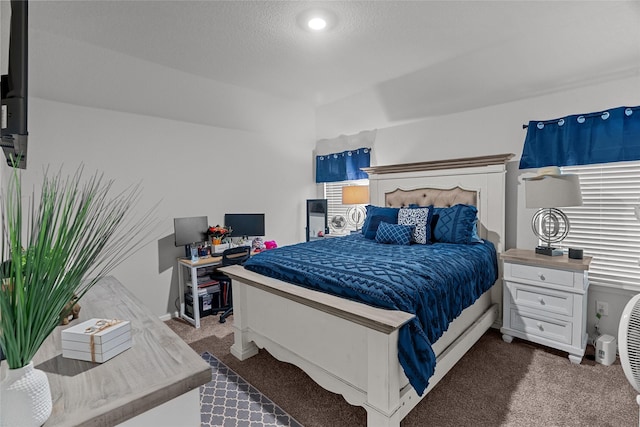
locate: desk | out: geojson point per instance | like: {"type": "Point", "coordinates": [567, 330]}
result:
{"type": "Point", "coordinates": [192, 268]}
{"type": "Point", "coordinates": [155, 382]}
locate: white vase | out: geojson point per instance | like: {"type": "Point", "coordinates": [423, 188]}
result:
{"type": "Point", "coordinates": [25, 397]}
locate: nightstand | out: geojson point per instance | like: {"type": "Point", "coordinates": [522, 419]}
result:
{"type": "Point", "coordinates": [545, 300]}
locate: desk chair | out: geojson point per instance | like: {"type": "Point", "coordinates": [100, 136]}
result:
{"type": "Point", "coordinates": [231, 256]}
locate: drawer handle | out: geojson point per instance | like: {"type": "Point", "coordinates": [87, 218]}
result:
{"type": "Point", "coordinates": [539, 325]}
{"type": "Point", "coordinates": [541, 300]}
{"type": "Point", "coordinates": [541, 276]}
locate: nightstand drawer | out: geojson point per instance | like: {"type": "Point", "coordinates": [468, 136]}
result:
{"type": "Point", "coordinates": [533, 324]}
{"type": "Point", "coordinates": [540, 298]}
{"type": "Point", "coordinates": [542, 274]}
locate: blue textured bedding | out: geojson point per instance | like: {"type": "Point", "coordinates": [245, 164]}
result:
{"type": "Point", "coordinates": [434, 282]}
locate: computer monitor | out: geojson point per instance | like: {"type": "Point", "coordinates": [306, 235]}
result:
{"type": "Point", "coordinates": [190, 230]}
{"type": "Point", "coordinates": [245, 225]}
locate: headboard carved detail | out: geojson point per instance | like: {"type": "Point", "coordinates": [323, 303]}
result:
{"type": "Point", "coordinates": [431, 196]}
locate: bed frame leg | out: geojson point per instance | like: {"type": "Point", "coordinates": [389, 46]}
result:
{"type": "Point", "coordinates": [243, 347]}
{"type": "Point", "coordinates": [376, 419]}
{"type": "Point", "coordinates": [383, 383]}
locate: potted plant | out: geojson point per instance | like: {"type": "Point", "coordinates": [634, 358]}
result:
{"type": "Point", "coordinates": [218, 234]}
{"type": "Point", "coordinates": [69, 237]}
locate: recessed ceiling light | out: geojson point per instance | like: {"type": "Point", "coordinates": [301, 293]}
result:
{"type": "Point", "coordinates": [317, 20]}
{"type": "Point", "coordinates": [317, 24]}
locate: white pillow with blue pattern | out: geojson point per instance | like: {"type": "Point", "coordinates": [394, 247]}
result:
{"type": "Point", "coordinates": [395, 234]}
{"type": "Point", "coordinates": [420, 218]}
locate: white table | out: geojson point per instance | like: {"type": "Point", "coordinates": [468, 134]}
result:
{"type": "Point", "coordinates": [155, 382]}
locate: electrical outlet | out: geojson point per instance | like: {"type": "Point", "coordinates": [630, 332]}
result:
{"type": "Point", "coordinates": [602, 308]}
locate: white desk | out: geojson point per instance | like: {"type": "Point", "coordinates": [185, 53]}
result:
{"type": "Point", "coordinates": [192, 268]}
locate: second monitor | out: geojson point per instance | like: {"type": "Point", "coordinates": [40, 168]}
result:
{"type": "Point", "coordinates": [245, 225]}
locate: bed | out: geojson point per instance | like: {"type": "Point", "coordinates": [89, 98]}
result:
{"type": "Point", "coordinates": [352, 348]}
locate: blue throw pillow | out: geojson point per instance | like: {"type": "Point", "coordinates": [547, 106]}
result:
{"type": "Point", "coordinates": [374, 222]}
{"type": "Point", "coordinates": [455, 224]}
{"type": "Point", "coordinates": [421, 219]}
{"type": "Point", "coordinates": [368, 228]}
{"type": "Point", "coordinates": [394, 233]}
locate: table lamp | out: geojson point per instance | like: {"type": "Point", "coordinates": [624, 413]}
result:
{"type": "Point", "coordinates": [355, 195]}
{"type": "Point", "coordinates": [548, 190]}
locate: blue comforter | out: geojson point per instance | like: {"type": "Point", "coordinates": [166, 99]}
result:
{"type": "Point", "coordinates": [433, 282]}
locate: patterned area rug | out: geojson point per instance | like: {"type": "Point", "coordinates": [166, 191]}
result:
{"type": "Point", "coordinates": [229, 401]}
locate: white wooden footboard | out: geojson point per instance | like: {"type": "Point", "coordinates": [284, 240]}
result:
{"type": "Point", "coordinates": [346, 347]}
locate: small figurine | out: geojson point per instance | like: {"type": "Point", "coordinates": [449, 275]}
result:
{"type": "Point", "coordinates": [258, 244]}
{"type": "Point", "coordinates": [70, 311]}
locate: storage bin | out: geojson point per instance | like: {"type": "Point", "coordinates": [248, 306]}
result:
{"type": "Point", "coordinates": [96, 340]}
{"type": "Point", "coordinates": [207, 303]}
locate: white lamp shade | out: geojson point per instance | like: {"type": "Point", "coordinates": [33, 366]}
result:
{"type": "Point", "coordinates": [553, 191]}
{"type": "Point", "coordinates": [355, 195]}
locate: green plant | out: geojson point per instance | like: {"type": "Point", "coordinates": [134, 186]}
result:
{"type": "Point", "coordinates": [63, 245]}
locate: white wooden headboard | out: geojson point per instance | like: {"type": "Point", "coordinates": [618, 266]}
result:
{"type": "Point", "coordinates": [483, 175]}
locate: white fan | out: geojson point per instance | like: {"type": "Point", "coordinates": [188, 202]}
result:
{"type": "Point", "coordinates": [629, 341]}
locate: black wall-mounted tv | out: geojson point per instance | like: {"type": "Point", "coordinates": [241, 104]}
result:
{"type": "Point", "coordinates": [13, 89]}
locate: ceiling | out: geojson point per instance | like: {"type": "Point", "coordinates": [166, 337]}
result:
{"type": "Point", "coordinates": [455, 54]}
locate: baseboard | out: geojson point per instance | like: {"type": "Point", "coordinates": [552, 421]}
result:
{"type": "Point", "coordinates": [168, 316]}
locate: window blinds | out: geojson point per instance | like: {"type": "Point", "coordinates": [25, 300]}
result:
{"type": "Point", "coordinates": [606, 226]}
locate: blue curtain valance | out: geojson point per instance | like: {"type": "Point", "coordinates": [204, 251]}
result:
{"type": "Point", "coordinates": [344, 166]}
{"type": "Point", "coordinates": [583, 139]}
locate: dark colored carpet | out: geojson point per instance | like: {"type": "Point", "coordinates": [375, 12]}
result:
{"type": "Point", "coordinates": [494, 384]}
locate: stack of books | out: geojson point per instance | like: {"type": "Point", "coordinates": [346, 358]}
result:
{"type": "Point", "coordinates": [206, 285]}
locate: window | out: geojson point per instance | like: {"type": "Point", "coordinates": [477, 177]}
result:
{"type": "Point", "coordinates": [337, 212]}
{"type": "Point", "coordinates": [606, 226]}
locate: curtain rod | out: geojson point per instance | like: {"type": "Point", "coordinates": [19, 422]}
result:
{"type": "Point", "coordinates": [603, 114]}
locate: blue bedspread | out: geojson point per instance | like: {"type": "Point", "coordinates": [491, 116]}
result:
{"type": "Point", "coordinates": [434, 282]}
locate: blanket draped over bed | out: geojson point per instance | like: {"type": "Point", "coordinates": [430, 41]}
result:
{"type": "Point", "coordinates": [433, 282]}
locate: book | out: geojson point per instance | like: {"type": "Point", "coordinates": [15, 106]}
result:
{"type": "Point", "coordinates": [203, 290]}
{"type": "Point", "coordinates": [206, 281]}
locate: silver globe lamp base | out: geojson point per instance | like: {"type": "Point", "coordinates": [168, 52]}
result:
{"type": "Point", "coordinates": [550, 225]}
{"type": "Point", "coordinates": [356, 215]}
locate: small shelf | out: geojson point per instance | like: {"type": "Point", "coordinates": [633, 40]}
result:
{"type": "Point", "coordinates": [187, 270]}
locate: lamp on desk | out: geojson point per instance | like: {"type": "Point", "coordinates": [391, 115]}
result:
{"type": "Point", "coordinates": [548, 190]}
{"type": "Point", "coordinates": [357, 195]}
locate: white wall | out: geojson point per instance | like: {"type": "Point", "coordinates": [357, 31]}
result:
{"type": "Point", "coordinates": [203, 147]}
{"type": "Point", "coordinates": [491, 130]}
{"type": "Point", "coordinates": [198, 147]}
{"type": "Point", "coordinates": [190, 169]}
